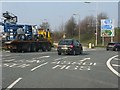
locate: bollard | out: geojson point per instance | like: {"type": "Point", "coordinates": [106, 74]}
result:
{"type": "Point", "coordinates": [89, 45]}
{"type": "Point", "coordinates": [93, 45]}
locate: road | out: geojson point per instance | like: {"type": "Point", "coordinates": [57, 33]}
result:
{"type": "Point", "coordinates": [95, 68]}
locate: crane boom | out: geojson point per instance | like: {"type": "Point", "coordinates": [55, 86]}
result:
{"type": "Point", "coordinates": [9, 17]}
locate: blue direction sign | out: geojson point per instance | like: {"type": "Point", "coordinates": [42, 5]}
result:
{"type": "Point", "coordinates": [107, 28]}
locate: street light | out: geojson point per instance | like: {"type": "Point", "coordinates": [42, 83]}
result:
{"type": "Point", "coordinates": [96, 24]}
{"type": "Point", "coordinates": [96, 30]}
{"type": "Point", "coordinates": [78, 24]}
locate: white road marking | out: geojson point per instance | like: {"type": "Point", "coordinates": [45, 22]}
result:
{"type": "Point", "coordinates": [115, 65]}
{"type": "Point", "coordinates": [94, 64]}
{"type": "Point", "coordinates": [38, 61]}
{"type": "Point", "coordinates": [14, 64]}
{"type": "Point", "coordinates": [116, 59]}
{"type": "Point", "coordinates": [58, 62]}
{"type": "Point", "coordinates": [74, 63]}
{"type": "Point", "coordinates": [24, 65]}
{"type": "Point", "coordinates": [76, 67]}
{"type": "Point", "coordinates": [87, 63]}
{"type": "Point", "coordinates": [67, 67]}
{"type": "Point", "coordinates": [39, 66]}
{"type": "Point", "coordinates": [57, 66]}
{"type": "Point", "coordinates": [15, 82]}
{"type": "Point", "coordinates": [110, 67]}
{"type": "Point", "coordinates": [85, 59]}
{"type": "Point", "coordinates": [63, 67]}
{"type": "Point", "coordinates": [55, 62]}
{"type": "Point", "coordinates": [85, 68]}
{"type": "Point", "coordinates": [60, 58]}
{"type": "Point", "coordinates": [32, 61]}
{"type": "Point", "coordinates": [10, 60]}
{"type": "Point", "coordinates": [6, 65]}
{"type": "Point", "coordinates": [41, 57]}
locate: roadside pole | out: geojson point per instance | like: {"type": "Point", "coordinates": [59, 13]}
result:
{"type": "Point", "coordinates": [111, 38]}
{"type": "Point", "coordinates": [103, 41]}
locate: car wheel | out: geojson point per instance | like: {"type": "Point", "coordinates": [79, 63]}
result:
{"type": "Point", "coordinates": [116, 49]}
{"type": "Point", "coordinates": [44, 48]}
{"type": "Point", "coordinates": [81, 51]}
{"type": "Point", "coordinates": [107, 49]}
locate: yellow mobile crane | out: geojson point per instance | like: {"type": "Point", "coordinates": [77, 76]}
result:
{"type": "Point", "coordinates": [45, 34]}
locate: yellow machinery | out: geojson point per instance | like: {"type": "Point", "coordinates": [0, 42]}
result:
{"type": "Point", "coordinates": [45, 34]}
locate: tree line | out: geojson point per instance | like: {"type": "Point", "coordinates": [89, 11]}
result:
{"type": "Point", "coordinates": [87, 30]}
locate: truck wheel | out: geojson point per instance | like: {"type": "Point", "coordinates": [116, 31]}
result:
{"type": "Point", "coordinates": [49, 47]}
{"type": "Point", "coordinates": [11, 51]}
{"type": "Point", "coordinates": [29, 49]}
{"type": "Point", "coordinates": [34, 49]}
{"type": "Point", "coordinates": [37, 50]}
{"type": "Point", "coordinates": [43, 48]}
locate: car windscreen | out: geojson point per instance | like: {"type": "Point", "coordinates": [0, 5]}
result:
{"type": "Point", "coordinates": [65, 42]}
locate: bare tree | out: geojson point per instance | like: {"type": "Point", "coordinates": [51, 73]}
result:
{"type": "Point", "coordinates": [45, 25]}
{"type": "Point", "coordinates": [70, 28]}
{"type": "Point", "coordinates": [87, 28]}
{"type": "Point", "coordinates": [99, 17]}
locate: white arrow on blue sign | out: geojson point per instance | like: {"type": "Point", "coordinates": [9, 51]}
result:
{"type": "Point", "coordinates": [107, 28]}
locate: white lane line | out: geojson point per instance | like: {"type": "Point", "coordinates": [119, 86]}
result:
{"type": "Point", "coordinates": [14, 83]}
{"type": "Point", "coordinates": [39, 66]}
{"type": "Point", "coordinates": [110, 67]}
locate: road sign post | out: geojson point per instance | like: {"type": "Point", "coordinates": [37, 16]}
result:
{"type": "Point", "coordinates": [107, 29]}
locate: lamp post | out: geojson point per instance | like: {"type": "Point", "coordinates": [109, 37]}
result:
{"type": "Point", "coordinates": [96, 33]}
{"type": "Point", "coordinates": [78, 24]}
{"type": "Point", "coordinates": [96, 30]}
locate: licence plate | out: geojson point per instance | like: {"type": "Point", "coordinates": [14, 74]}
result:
{"type": "Point", "coordinates": [111, 46]}
{"type": "Point", "coordinates": [64, 47]}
